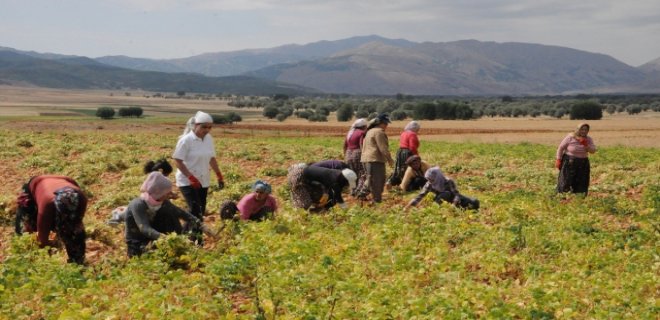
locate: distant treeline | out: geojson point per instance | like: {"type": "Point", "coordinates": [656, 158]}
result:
{"type": "Point", "coordinates": [403, 107]}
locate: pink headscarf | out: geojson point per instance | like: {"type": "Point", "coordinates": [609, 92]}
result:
{"type": "Point", "coordinates": [155, 187]}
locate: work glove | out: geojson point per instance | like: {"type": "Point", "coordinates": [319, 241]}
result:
{"type": "Point", "coordinates": [343, 205]}
{"type": "Point", "coordinates": [194, 183]}
{"type": "Point", "coordinates": [558, 164]}
{"type": "Point", "coordinates": [584, 142]}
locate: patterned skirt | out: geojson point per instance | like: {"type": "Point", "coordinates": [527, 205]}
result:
{"type": "Point", "coordinates": [400, 166]}
{"type": "Point", "coordinates": [574, 175]}
{"type": "Point", "coordinates": [300, 196]}
{"type": "Point", "coordinates": [352, 158]}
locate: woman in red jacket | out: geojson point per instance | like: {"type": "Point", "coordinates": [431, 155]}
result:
{"type": "Point", "coordinates": [54, 203]}
{"type": "Point", "coordinates": [408, 145]}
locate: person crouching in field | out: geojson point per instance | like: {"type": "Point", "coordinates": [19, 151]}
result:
{"type": "Point", "coordinates": [445, 191]}
{"type": "Point", "coordinates": [255, 206]}
{"type": "Point", "coordinates": [152, 214]}
{"type": "Point", "coordinates": [572, 161]}
{"type": "Point", "coordinates": [413, 179]}
{"type": "Point", "coordinates": [162, 166]}
{"type": "Point", "coordinates": [317, 188]}
{"type": "Point", "coordinates": [54, 203]}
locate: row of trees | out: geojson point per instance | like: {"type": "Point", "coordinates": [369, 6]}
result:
{"type": "Point", "coordinates": [400, 108]}
{"type": "Point", "coordinates": [124, 112]}
{"type": "Point", "coordinates": [109, 113]}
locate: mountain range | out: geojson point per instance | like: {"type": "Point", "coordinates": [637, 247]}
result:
{"type": "Point", "coordinates": [366, 65]}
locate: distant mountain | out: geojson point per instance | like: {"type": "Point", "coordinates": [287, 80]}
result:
{"type": "Point", "coordinates": [651, 66]}
{"type": "Point", "coordinates": [85, 73]}
{"type": "Point", "coordinates": [367, 65]}
{"type": "Point", "coordinates": [239, 62]}
{"type": "Point", "coordinates": [456, 68]}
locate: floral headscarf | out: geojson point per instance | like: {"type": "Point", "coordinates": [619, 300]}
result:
{"type": "Point", "coordinates": [66, 202]}
{"type": "Point", "coordinates": [155, 187]}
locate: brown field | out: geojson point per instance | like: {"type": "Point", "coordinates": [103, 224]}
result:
{"type": "Point", "coordinates": [20, 105]}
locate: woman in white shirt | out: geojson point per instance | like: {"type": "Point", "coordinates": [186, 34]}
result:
{"type": "Point", "coordinates": [194, 155]}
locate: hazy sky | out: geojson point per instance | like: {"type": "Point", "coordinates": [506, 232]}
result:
{"type": "Point", "coordinates": [628, 30]}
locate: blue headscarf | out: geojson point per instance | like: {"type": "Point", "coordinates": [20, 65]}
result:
{"type": "Point", "coordinates": [261, 186]}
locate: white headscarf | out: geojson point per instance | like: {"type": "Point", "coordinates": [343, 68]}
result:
{"type": "Point", "coordinates": [412, 126]}
{"type": "Point", "coordinates": [200, 117]}
{"type": "Point", "coordinates": [362, 122]}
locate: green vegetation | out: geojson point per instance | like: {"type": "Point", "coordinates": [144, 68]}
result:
{"type": "Point", "coordinates": [527, 254]}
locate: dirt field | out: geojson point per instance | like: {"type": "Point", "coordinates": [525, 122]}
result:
{"type": "Point", "coordinates": [642, 130]}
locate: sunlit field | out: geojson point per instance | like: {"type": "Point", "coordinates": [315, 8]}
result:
{"type": "Point", "coordinates": [528, 253]}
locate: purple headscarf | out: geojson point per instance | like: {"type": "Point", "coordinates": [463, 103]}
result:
{"type": "Point", "coordinates": [435, 177]}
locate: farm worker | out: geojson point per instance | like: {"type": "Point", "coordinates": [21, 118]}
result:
{"type": "Point", "coordinates": [331, 164]}
{"type": "Point", "coordinates": [160, 165]}
{"type": "Point", "coordinates": [353, 152]}
{"type": "Point", "coordinates": [255, 206]}
{"type": "Point", "coordinates": [445, 191]}
{"type": "Point", "coordinates": [375, 152]}
{"type": "Point", "coordinates": [333, 181]}
{"type": "Point", "coordinates": [572, 160]}
{"type": "Point", "coordinates": [408, 145]}
{"type": "Point", "coordinates": [54, 203]}
{"type": "Point", "coordinates": [193, 155]}
{"type": "Point", "coordinates": [414, 179]}
{"type": "Point", "coordinates": [152, 214]}
{"type": "Point", "coordinates": [317, 188]}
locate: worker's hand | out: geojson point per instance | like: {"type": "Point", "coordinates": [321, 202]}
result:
{"type": "Point", "coordinates": [343, 205]}
{"type": "Point", "coordinates": [194, 183]}
{"type": "Point", "coordinates": [221, 180]}
{"type": "Point", "coordinates": [558, 164]}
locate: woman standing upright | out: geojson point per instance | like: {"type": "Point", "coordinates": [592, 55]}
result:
{"type": "Point", "coordinates": [573, 161]}
{"type": "Point", "coordinates": [408, 145]}
{"type": "Point", "coordinates": [375, 152]}
{"type": "Point", "coordinates": [353, 151]}
{"type": "Point", "coordinates": [194, 155]}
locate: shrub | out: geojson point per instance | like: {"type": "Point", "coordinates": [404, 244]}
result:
{"type": "Point", "coordinates": [587, 110]}
{"type": "Point", "coordinates": [270, 112]}
{"type": "Point", "coordinates": [105, 112]}
{"type": "Point", "coordinates": [345, 113]}
{"type": "Point", "coordinates": [398, 114]}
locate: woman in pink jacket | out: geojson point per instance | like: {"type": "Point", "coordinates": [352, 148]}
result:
{"type": "Point", "coordinates": [572, 161]}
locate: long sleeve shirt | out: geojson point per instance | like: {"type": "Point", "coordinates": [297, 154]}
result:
{"type": "Point", "coordinates": [410, 141]}
{"type": "Point", "coordinates": [42, 189]}
{"type": "Point", "coordinates": [572, 147]}
{"type": "Point", "coordinates": [140, 218]}
{"type": "Point", "coordinates": [249, 205]}
{"type": "Point", "coordinates": [355, 141]}
{"type": "Point", "coordinates": [331, 179]}
{"type": "Point", "coordinates": [448, 186]}
{"type": "Point", "coordinates": [375, 147]}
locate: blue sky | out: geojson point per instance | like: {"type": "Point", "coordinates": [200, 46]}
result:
{"type": "Point", "coordinates": [626, 30]}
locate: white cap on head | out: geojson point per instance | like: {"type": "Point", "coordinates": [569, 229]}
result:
{"type": "Point", "coordinates": [351, 177]}
{"type": "Point", "coordinates": [203, 117]}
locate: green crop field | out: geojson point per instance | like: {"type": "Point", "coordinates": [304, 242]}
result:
{"type": "Point", "coordinates": [527, 254]}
